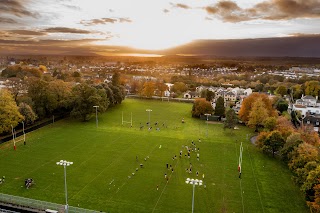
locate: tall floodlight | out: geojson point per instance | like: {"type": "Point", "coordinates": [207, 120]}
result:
{"type": "Point", "coordinates": [207, 114]}
{"type": "Point", "coordinates": [149, 110]}
{"type": "Point", "coordinates": [65, 163]}
{"type": "Point", "coordinates": [194, 182]}
{"type": "Point", "coordinates": [96, 115]}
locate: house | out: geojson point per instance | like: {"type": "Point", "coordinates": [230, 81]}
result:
{"type": "Point", "coordinates": [167, 93]}
{"type": "Point", "coordinates": [307, 105]}
{"type": "Point", "coordinates": [201, 88]}
{"type": "Point", "coordinates": [313, 120]}
{"type": "Point", "coordinates": [2, 83]}
{"type": "Point", "coordinates": [219, 93]}
{"type": "Point", "coordinates": [304, 110]}
{"type": "Point", "coordinates": [190, 94]}
{"type": "Point", "coordinates": [308, 101]}
{"type": "Point", "coordinates": [247, 92]}
{"type": "Point", "coordinates": [227, 96]}
{"type": "Point", "coordinates": [230, 96]}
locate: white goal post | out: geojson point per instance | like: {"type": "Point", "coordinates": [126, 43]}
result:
{"type": "Point", "coordinates": [14, 136]}
{"type": "Point", "coordinates": [123, 121]}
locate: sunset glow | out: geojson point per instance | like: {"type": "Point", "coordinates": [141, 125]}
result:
{"type": "Point", "coordinates": [99, 26]}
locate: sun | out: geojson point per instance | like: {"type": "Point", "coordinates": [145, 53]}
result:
{"type": "Point", "coordinates": [146, 41]}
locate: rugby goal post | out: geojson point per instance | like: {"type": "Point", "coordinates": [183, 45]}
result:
{"type": "Point", "coordinates": [14, 136]}
{"type": "Point", "coordinates": [123, 121]}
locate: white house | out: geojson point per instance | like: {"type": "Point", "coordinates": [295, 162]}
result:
{"type": "Point", "coordinates": [247, 92]}
{"type": "Point", "coordinates": [308, 101]}
{"type": "Point", "coordinates": [305, 109]}
{"type": "Point", "coordinates": [307, 105]}
{"type": "Point", "coordinates": [2, 83]}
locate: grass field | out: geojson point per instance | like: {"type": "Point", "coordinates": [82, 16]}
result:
{"type": "Point", "coordinates": [104, 157]}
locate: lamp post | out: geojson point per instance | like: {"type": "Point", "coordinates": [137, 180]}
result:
{"type": "Point", "coordinates": [96, 115]}
{"type": "Point", "coordinates": [65, 163]}
{"type": "Point", "coordinates": [207, 114]}
{"type": "Point", "coordinates": [194, 182]}
{"type": "Point", "coordinates": [149, 110]}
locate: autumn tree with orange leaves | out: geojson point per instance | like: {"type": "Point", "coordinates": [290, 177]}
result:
{"type": "Point", "coordinates": [248, 104]}
{"type": "Point", "coordinates": [309, 135]}
{"type": "Point", "coordinates": [201, 107]}
{"type": "Point", "coordinates": [315, 205]}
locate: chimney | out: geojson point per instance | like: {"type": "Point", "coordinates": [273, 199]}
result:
{"type": "Point", "coordinates": [316, 97]}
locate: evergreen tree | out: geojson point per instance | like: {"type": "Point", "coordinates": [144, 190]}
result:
{"type": "Point", "coordinates": [220, 109]}
{"type": "Point", "coordinates": [210, 95]}
{"type": "Point", "coordinates": [231, 119]}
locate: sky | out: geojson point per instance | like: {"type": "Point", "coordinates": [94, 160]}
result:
{"type": "Point", "coordinates": [107, 27]}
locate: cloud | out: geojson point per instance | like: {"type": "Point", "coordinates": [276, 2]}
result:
{"type": "Point", "coordinates": [104, 21]}
{"type": "Point", "coordinates": [20, 35]}
{"type": "Point", "coordinates": [47, 42]}
{"type": "Point", "coordinates": [304, 35]}
{"type": "Point", "coordinates": [62, 47]}
{"type": "Point", "coordinates": [211, 9]}
{"type": "Point", "coordinates": [182, 6]}
{"type": "Point", "coordinates": [293, 46]}
{"type": "Point", "coordinates": [289, 9]}
{"type": "Point", "coordinates": [14, 7]}
{"type": "Point", "coordinates": [71, 7]}
{"type": "Point", "coordinates": [66, 30]}
{"type": "Point", "coordinates": [229, 11]}
{"type": "Point", "coordinates": [122, 20]}
{"type": "Point", "coordinates": [7, 21]}
{"type": "Point", "coordinates": [166, 10]}
{"type": "Point", "coordinates": [26, 32]}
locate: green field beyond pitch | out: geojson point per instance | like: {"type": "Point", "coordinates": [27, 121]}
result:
{"type": "Point", "coordinates": [105, 157]}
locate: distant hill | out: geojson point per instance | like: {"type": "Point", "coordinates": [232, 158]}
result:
{"type": "Point", "coordinates": [297, 46]}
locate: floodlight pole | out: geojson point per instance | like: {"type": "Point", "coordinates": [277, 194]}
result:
{"type": "Point", "coordinates": [65, 186]}
{"type": "Point", "coordinates": [193, 196]}
{"type": "Point", "coordinates": [96, 115]}
{"type": "Point", "coordinates": [149, 110]}
{"type": "Point", "coordinates": [194, 183]}
{"type": "Point", "coordinates": [65, 164]}
{"type": "Point", "coordinates": [207, 114]}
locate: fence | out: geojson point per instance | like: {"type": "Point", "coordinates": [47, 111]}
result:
{"type": "Point", "coordinates": [21, 202]}
{"type": "Point", "coordinates": [164, 99]}
{"type": "Point", "coordinates": [32, 128]}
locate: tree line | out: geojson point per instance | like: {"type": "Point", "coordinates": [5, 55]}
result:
{"type": "Point", "coordinates": [297, 147]}
{"type": "Point", "coordinates": [37, 98]}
